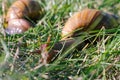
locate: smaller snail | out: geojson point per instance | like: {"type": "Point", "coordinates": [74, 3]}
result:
{"type": "Point", "coordinates": [21, 15]}
{"type": "Point", "coordinates": [86, 20]}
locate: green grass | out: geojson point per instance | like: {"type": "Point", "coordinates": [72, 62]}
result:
{"type": "Point", "coordinates": [100, 60]}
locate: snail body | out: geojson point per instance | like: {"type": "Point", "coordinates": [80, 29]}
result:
{"type": "Point", "coordinates": [86, 20]}
{"type": "Point", "coordinates": [19, 15]}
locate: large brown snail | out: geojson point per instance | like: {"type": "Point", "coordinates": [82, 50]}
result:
{"type": "Point", "coordinates": [86, 20]}
{"type": "Point", "coordinates": [21, 14]}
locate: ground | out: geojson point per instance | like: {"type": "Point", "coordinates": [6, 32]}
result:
{"type": "Point", "coordinates": [99, 60]}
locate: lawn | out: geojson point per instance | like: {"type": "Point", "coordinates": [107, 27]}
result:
{"type": "Point", "coordinates": [100, 59]}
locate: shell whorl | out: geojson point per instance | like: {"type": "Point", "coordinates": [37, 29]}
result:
{"type": "Point", "coordinates": [22, 11]}
{"type": "Point", "coordinates": [86, 20]}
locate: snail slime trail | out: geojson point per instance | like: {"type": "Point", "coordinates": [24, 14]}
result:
{"type": "Point", "coordinates": [19, 13]}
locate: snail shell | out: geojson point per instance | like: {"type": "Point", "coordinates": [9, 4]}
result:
{"type": "Point", "coordinates": [86, 20]}
{"type": "Point", "coordinates": [22, 11]}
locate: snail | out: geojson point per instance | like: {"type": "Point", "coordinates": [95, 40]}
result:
{"type": "Point", "coordinates": [21, 15]}
{"type": "Point", "coordinates": [87, 20]}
